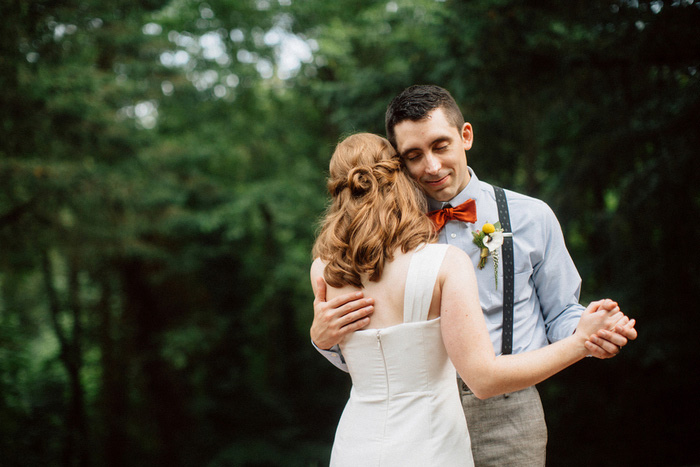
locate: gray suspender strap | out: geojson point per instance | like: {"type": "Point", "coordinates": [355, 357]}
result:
{"type": "Point", "coordinates": [508, 271]}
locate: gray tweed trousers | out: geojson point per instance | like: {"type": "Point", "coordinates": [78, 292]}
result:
{"type": "Point", "coordinates": [506, 430]}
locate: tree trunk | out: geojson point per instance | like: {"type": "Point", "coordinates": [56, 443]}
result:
{"type": "Point", "coordinates": [114, 387]}
{"type": "Point", "coordinates": [70, 354]}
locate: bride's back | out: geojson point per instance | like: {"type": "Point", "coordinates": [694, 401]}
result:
{"type": "Point", "coordinates": [388, 293]}
{"type": "Point", "coordinates": [404, 407]}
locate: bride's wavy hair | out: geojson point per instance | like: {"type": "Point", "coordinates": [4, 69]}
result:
{"type": "Point", "coordinates": [375, 209]}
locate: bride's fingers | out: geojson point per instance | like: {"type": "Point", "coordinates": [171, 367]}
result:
{"type": "Point", "coordinates": [609, 348]}
{"type": "Point", "coordinates": [627, 330]}
{"type": "Point", "coordinates": [614, 338]}
{"type": "Point", "coordinates": [596, 351]}
{"type": "Point", "coordinates": [620, 323]}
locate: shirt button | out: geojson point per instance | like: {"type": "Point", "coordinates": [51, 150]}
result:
{"type": "Point", "coordinates": [454, 235]}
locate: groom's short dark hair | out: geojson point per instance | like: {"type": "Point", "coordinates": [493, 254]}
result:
{"type": "Point", "coordinates": [416, 102]}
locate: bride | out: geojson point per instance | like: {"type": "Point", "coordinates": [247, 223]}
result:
{"type": "Point", "coordinates": [427, 326]}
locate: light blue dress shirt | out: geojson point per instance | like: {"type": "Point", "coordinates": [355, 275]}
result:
{"type": "Point", "coordinates": [547, 284]}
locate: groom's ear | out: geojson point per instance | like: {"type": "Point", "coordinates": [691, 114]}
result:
{"type": "Point", "coordinates": [467, 136]}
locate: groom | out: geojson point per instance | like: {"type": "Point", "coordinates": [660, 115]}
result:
{"type": "Point", "coordinates": [428, 130]}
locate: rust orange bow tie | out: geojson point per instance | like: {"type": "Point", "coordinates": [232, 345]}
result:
{"type": "Point", "coordinates": [465, 212]}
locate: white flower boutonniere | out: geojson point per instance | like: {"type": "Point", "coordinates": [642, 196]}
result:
{"type": "Point", "coordinates": [489, 239]}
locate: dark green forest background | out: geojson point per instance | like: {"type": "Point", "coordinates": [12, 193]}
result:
{"type": "Point", "coordinates": [162, 170]}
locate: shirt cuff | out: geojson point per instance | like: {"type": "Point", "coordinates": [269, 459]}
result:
{"type": "Point", "coordinates": [333, 355]}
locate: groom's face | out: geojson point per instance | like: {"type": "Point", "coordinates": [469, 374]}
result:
{"type": "Point", "coordinates": [434, 153]}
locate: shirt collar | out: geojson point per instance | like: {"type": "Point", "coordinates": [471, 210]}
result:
{"type": "Point", "coordinates": [471, 191]}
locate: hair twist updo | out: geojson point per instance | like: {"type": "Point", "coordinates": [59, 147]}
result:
{"type": "Point", "coordinates": [375, 209]}
{"type": "Point", "coordinates": [369, 180]}
{"type": "Point", "coordinates": [361, 181]}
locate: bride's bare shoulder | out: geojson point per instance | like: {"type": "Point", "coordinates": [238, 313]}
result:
{"type": "Point", "coordinates": [455, 260]}
{"type": "Point", "coordinates": [317, 268]}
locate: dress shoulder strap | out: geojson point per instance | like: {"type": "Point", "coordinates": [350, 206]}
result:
{"type": "Point", "coordinates": [420, 281]}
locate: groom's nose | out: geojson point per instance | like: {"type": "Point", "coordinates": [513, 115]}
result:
{"type": "Point", "coordinates": [432, 164]}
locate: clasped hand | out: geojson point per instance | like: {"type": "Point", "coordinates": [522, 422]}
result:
{"type": "Point", "coordinates": [605, 328]}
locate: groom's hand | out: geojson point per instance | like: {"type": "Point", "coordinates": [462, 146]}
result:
{"type": "Point", "coordinates": [339, 317]}
{"type": "Point", "coordinates": [607, 344]}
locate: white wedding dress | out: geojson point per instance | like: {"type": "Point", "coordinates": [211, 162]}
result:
{"type": "Point", "coordinates": [404, 407]}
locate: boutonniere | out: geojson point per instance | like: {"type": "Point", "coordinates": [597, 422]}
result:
{"type": "Point", "coordinates": [489, 239]}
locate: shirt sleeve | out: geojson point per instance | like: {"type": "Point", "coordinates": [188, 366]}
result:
{"type": "Point", "coordinates": [333, 355]}
{"type": "Point", "coordinates": [557, 282]}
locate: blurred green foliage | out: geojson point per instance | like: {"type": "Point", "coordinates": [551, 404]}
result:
{"type": "Point", "coordinates": [162, 170]}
